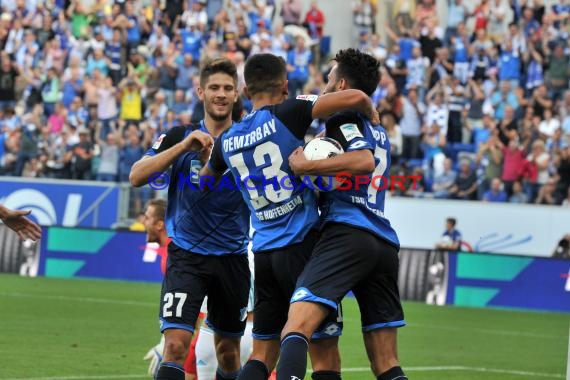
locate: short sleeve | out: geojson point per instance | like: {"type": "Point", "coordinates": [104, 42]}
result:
{"type": "Point", "coordinates": [297, 114]}
{"type": "Point", "coordinates": [348, 128]}
{"type": "Point", "coordinates": [167, 140]}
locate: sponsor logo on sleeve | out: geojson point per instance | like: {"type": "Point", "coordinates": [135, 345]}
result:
{"type": "Point", "coordinates": [350, 131]}
{"type": "Point", "coordinates": [158, 142]}
{"type": "Point", "coordinates": [308, 98]}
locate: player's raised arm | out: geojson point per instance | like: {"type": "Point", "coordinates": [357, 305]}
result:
{"type": "Point", "coordinates": [348, 130]}
{"type": "Point", "coordinates": [165, 151]}
{"type": "Point", "coordinates": [357, 100]}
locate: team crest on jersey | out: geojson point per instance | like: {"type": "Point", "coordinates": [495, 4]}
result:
{"type": "Point", "coordinates": [350, 131]}
{"type": "Point", "coordinates": [308, 98]}
{"type": "Point", "coordinates": [158, 142]}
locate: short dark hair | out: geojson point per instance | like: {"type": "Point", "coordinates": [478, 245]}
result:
{"type": "Point", "coordinates": [159, 205]}
{"type": "Point", "coordinates": [453, 221]}
{"type": "Point", "coordinates": [359, 69]}
{"type": "Point", "coordinates": [218, 65]}
{"type": "Point", "coordinates": [264, 73]}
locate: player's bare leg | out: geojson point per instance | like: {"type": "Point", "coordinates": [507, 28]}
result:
{"type": "Point", "coordinates": [325, 359]}
{"type": "Point", "coordinates": [228, 355]}
{"type": "Point", "coordinates": [382, 349]}
{"type": "Point", "coordinates": [177, 343]}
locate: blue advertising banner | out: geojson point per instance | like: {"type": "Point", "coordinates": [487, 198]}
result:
{"type": "Point", "coordinates": [483, 280]}
{"type": "Point", "coordinates": [64, 203]}
{"type": "Point", "coordinates": [93, 253]}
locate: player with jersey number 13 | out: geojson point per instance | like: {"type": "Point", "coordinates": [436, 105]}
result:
{"type": "Point", "coordinates": [284, 216]}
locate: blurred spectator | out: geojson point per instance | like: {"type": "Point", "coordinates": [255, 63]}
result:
{"type": "Point", "coordinates": [315, 21]}
{"type": "Point", "coordinates": [490, 159]}
{"type": "Point", "coordinates": [364, 16]}
{"type": "Point", "coordinates": [299, 67]}
{"type": "Point", "coordinates": [443, 181]}
{"type": "Point", "coordinates": [535, 170]}
{"type": "Point", "coordinates": [518, 195]}
{"type": "Point", "coordinates": [291, 12]}
{"type": "Point", "coordinates": [411, 123]}
{"type": "Point", "coordinates": [81, 156]}
{"type": "Point", "coordinates": [546, 194]}
{"type": "Point", "coordinates": [394, 131]}
{"type": "Point", "coordinates": [465, 185]}
{"type": "Point", "coordinates": [495, 193]}
{"type": "Point", "coordinates": [513, 163]}
{"type": "Point", "coordinates": [8, 74]}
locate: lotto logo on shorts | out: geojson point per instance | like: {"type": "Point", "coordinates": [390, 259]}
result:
{"type": "Point", "coordinates": [332, 329]}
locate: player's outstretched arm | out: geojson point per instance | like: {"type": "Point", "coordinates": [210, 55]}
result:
{"type": "Point", "coordinates": [334, 102]}
{"type": "Point", "coordinates": [146, 166]}
{"type": "Point", "coordinates": [16, 220]}
{"type": "Point", "coordinates": [356, 162]}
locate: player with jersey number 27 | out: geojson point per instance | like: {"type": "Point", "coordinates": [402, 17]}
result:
{"type": "Point", "coordinates": [284, 216]}
{"type": "Point", "coordinates": [358, 249]}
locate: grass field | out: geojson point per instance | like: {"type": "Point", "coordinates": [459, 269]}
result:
{"type": "Point", "coordinates": [79, 329]}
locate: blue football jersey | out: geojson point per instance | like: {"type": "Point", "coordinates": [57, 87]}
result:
{"type": "Point", "coordinates": [256, 150]}
{"type": "Point", "coordinates": [360, 206]}
{"type": "Point", "coordinates": [207, 223]}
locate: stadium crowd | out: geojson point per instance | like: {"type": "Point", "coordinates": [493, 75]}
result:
{"type": "Point", "coordinates": [477, 103]}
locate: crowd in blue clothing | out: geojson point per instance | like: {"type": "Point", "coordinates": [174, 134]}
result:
{"type": "Point", "coordinates": [477, 103]}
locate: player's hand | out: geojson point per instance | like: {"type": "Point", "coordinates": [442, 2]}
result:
{"type": "Point", "coordinates": [204, 154]}
{"type": "Point", "coordinates": [155, 357]}
{"type": "Point", "coordinates": [197, 140]}
{"type": "Point", "coordinates": [298, 162]}
{"type": "Point", "coordinates": [16, 220]}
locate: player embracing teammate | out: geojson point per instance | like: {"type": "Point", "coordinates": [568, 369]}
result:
{"type": "Point", "coordinates": [358, 249]}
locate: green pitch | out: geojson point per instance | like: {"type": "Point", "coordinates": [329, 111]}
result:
{"type": "Point", "coordinates": [79, 329]}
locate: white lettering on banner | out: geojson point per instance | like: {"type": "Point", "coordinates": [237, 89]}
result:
{"type": "Point", "coordinates": [276, 212]}
{"type": "Point", "coordinates": [42, 207]}
{"type": "Point", "coordinates": [567, 288]}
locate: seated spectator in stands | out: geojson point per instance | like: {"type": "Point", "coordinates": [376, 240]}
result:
{"type": "Point", "coordinates": [451, 237]}
{"type": "Point", "coordinates": [546, 193]}
{"type": "Point", "coordinates": [518, 195]}
{"type": "Point", "coordinates": [465, 185]}
{"type": "Point", "coordinates": [495, 193]}
{"type": "Point", "coordinates": [415, 184]}
{"type": "Point", "coordinates": [443, 182]}
{"type": "Point", "coordinates": [490, 158]}
{"type": "Point", "coordinates": [549, 124]}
